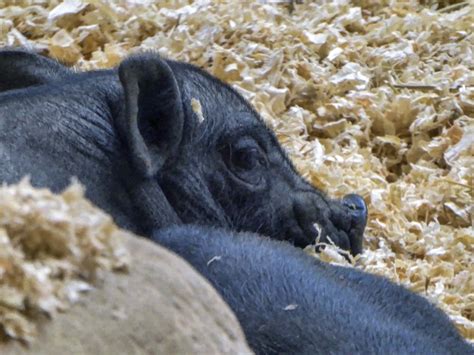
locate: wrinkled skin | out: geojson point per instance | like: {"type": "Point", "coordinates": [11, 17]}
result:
{"type": "Point", "coordinates": [131, 137]}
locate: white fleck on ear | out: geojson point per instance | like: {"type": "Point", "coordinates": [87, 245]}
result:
{"type": "Point", "coordinates": [197, 109]}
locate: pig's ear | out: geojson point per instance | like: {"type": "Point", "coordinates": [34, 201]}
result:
{"type": "Point", "coordinates": [152, 120]}
{"type": "Point", "coordinates": [21, 69]}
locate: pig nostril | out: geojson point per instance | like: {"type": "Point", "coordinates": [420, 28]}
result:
{"type": "Point", "coordinates": [355, 203]}
{"type": "Point", "coordinates": [351, 206]}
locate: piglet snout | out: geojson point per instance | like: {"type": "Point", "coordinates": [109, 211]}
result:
{"type": "Point", "coordinates": [357, 210]}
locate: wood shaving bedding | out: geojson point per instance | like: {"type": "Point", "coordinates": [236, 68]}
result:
{"type": "Point", "coordinates": [374, 97]}
{"type": "Point", "coordinates": [52, 247]}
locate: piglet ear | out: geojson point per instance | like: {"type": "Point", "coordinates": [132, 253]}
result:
{"type": "Point", "coordinates": [21, 68]}
{"type": "Point", "coordinates": [152, 120]}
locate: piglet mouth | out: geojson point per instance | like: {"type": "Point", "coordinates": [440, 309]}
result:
{"type": "Point", "coordinates": [307, 230]}
{"type": "Point", "coordinates": [340, 222]}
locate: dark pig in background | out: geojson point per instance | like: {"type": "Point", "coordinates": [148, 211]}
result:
{"type": "Point", "coordinates": [161, 168]}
